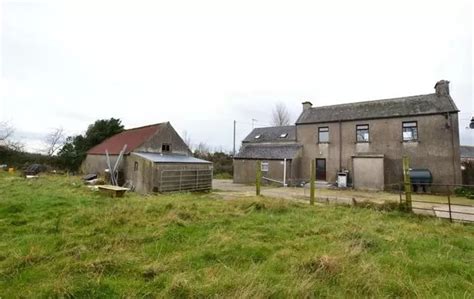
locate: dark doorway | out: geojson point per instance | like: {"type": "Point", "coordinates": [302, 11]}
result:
{"type": "Point", "coordinates": [321, 169]}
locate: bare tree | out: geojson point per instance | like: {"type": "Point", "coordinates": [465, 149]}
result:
{"type": "Point", "coordinates": [16, 146]}
{"type": "Point", "coordinates": [6, 134]}
{"type": "Point", "coordinates": [54, 141]}
{"type": "Point", "coordinates": [203, 148]}
{"type": "Point", "coordinates": [6, 131]}
{"type": "Point", "coordinates": [187, 139]}
{"type": "Point", "coordinates": [280, 115]}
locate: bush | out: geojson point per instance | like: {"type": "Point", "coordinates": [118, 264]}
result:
{"type": "Point", "coordinates": [222, 163]}
{"type": "Point", "coordinates": [21, 160]}
{"type": "Point", "coordinates": [467, 192]}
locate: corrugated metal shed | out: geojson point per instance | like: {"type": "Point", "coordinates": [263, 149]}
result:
{"type": "Point", "coordinates": [406, 106]}
{"type": "Point", "coordinates": [159, 158]}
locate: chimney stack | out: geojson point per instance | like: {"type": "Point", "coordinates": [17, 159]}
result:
{"type": "Point", "coordinates": [307, 105]}
{"type": "Point", "coordinates": [442, 88]}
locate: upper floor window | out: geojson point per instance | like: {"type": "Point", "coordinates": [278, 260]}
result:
{"type": "Point", "coordinates": [410, 131]}
{"type": "Point", "coordinates": [135, 166]}
{"type": "Point", "coordinates": [284, 135]}
{"type": "Point", "coordinates": [323, 134]}
{"type": "Point", "coordinates": [258, 136]}
{"type": "Point", "coordinates": [362, 133]}
{"type": "Point", "coordinates": [166, 147]}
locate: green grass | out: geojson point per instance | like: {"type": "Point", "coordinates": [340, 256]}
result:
{"type": "Point", "coordinates": [59, 239]}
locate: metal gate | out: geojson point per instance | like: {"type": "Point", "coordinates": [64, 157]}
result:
{"type": "Point", "coordinates": [185, 180]}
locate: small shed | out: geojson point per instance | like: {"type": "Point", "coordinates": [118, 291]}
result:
{"type": "Point", "coordinates": [154, 172]}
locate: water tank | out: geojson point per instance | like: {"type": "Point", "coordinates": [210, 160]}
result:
{"type": "Point", "coordinates": [420, 179]}
{"type": "Point", "coordinates": [421, 176]}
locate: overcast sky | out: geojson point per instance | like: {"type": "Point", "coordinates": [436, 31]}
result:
{"type": "Point", "coordinates": [202, 64]}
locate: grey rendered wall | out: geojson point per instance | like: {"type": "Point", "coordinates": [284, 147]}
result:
{"type": "Point", "coordinates": [166, 134]}
{"type": "Point", "coordinates": [97, 164]}
{"type": "Point", "coordinates": [434, 149]}
{"type": "Point", "coordinates": [245, 170]}
{"type": "Point", "coordinates": [142, 178]}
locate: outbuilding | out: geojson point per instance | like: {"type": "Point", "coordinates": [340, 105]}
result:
{"type": "Point", "coordinates": [155, 159]}
{"type": "Point", "coordinates": [276, 149]}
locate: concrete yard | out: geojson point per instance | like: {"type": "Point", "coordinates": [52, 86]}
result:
{"type": "Point", "coordinates": [427, 204]}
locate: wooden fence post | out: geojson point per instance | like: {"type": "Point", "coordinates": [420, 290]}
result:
{"type": "Point", "coordinates": [311, 182]}
{"type": "Point", "coordinates": [406, 182]}
{"type": "Point", "coordinates": [258, 177]}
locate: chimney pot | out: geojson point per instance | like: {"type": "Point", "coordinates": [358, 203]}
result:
{"type": "Point", "coordinates": [307, 105]}
{"type": "Point", "coordinates": [442, 88]}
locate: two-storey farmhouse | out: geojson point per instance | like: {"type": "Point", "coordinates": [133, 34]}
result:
{"type": "Point", "coordinates": [155, 159]}
{"type": "Point", "coordinates": [369, 139]}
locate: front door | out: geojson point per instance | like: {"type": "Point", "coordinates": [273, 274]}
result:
{"type": "Point", "coordinates": [320, 169]}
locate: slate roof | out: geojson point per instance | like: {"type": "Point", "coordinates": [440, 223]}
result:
{"type": "Point", "coordinates": [467, 151]}
{"type": "Point", "coordinates": [271, 134]}
{"type": "Point", "coordinates": [396, 107]}
{"type": "Point", "coordinates": [159, 158]}
{"type": "Point", "coordinates": [268, 151]}
{"type": "Point", "coordinates": [133, 138]}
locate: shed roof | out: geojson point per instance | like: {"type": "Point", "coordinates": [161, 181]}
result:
{"type": "Point", "coordinates": [133, 138]}
{"type": "Point", "coordinates": [467, 151]}
{"type": "Point", "coordinates": [396, 107]}
{"type": "Point", "coordinates": [160, 158]}
{"type": "Point", "coordinates": [271, 134]}
{"type": "Point", "coordinates": [269, 151]}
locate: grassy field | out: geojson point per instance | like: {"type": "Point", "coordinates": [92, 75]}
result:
{"type": "Point", "coordinates": [59, 239]}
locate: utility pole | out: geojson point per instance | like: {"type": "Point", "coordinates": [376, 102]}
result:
{"type": "Point", "coordinates": [233, 152]}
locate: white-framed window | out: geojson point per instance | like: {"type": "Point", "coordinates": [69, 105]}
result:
{"type": "Point", "coordinates": [284, 135]}
{"type": "Point", "coordinates": [323, 134]}
{"type": "Point", "coordinates": [362, 133]}
{"type": "Point", "coordinates": [410, 131]}
{"type": "Point", "coordinates": [258, 136]}
{"type": "Point", "coordinates": [264, 167]}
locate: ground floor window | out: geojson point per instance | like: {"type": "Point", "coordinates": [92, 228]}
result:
{"type": "Point", "coordinates": [264, 166]}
